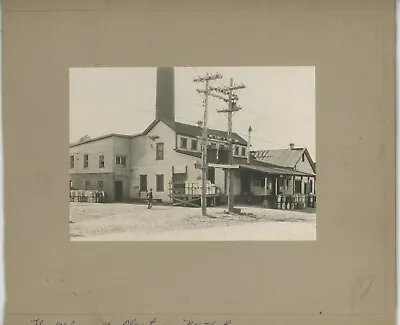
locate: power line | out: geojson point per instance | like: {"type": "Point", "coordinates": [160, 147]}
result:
{"type": "Point", "coordinates": [263, 140]}
{"type": "Point", "coordinates": [256, 114]}
{"type": "Point", "coordinates": [241, 133]}
{"type": "Point", "coordinates": [228, 95]}
{"type": "Point", "coordinates": [204, 167]}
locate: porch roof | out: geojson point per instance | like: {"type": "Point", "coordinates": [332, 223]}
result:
{"type": "Point", "coordinates": [276, 170]}
{"type": "Point", "coordinates": [241, 162]}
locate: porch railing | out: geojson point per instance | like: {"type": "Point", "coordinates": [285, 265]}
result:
{"type": "Point", "coordinates": [290, 201]}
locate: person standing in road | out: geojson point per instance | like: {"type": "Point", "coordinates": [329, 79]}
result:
{"type": "Point", "coordinates": [150, 199]}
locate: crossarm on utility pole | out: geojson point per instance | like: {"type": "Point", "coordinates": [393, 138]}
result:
{"type": "Point", "coordinates": [230, 171]}
{"type": "Point", "coordinates": [231, 99]}
{"type": "Point", "coordinates": [204, 166]}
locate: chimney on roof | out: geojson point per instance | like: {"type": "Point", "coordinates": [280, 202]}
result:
{"type": "Point", "coordinates": [165, 94]}
{"type": "Point", "coordinates": [249, 145]}
{"type": "Point", "coordinates": [291, 146]}
{"type": "Point", "coordinates": [200, 124]}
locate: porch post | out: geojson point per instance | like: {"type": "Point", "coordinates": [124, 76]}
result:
{"type": "Point", "coordinates": [171, 186]}
{"type": "Point", "coordinates": [265, 184]}
{"type": "Point", "coordinates": [276, 185]}
{"type": "Point", "coordinates": [301, 187]}
{"type": "Point", "coordinates": [293, 182]}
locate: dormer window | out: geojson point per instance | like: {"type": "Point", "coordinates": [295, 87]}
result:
{"type": "Point", "coordinates": [194, 144]}
{"type": "Point", "coordinates": [183, 143]}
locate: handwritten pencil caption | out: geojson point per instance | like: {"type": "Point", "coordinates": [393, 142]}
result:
{"type": "Point", "coordinates": [153, 321]}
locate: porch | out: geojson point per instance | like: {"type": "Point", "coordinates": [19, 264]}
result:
{"type": "Point", "coordinates": [274, 187]}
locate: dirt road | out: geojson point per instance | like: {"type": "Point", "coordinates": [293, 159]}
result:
{"type": "Point", "coordinates": [246, 232]}
{"type": "Point", "coordinates": [129, 222]}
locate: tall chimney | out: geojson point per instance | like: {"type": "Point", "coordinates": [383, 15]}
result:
{"type": "Point", "coordinates": [165, 94]}
{"type": "Point", "coordinates": [249, 145]}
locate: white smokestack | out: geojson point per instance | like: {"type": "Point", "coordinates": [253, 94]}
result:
{"type": "Point", "coordinates": [249, 145]}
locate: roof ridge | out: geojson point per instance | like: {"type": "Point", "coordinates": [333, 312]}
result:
{"type": "Point", "coordinates": [195, 130]}
{"type": "Point", "coordinates": [208, 128]}
{"type": "Point", "coordinates": [104, 136]}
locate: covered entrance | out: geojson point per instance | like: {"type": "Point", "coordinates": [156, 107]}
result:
{"type": "Point", "coordinates": [267, 185]}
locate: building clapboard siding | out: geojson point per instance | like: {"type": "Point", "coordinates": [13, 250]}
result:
{"type": "Point", "coordinates": [100, 164]}
{"type": "Point", "coordinates": [126, 166]}
{"type": "Point", "coordinates": [135, 164]}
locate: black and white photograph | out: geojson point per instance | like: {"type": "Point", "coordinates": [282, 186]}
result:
{"type": "Point", "coordinates": [192, 154]}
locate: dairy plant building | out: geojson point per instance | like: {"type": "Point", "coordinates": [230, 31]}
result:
{"type": "Point", "coordinates": [165, 155]}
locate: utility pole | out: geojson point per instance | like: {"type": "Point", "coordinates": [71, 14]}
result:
{"type": "Point", "coordinates": [204, 165]}
{"type": "Point", "coordinates": [232, 108]}
{"type": "Point", "coordinates": [230, 172]}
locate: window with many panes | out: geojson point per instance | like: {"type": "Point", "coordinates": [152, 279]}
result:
{"type": "Point", "coordinates": [120, 160]}
{"type": "Point", "coordinates": [87, 185]}
{"type": "Point", "coordinates": [184, 143]}
{"type": "Point", "coordinates": [143, 183]}
{"type": "Point", "coordinates": [194, 144]}
{"type": "Point", "coordinates": [101, 161]}
{"type": "Point", "coordinates": [243, 151]}
{"type": "Point", "coordinates": [258, 180]}
{"type": "Point", "coordinates": [100, 185]}
{"type": "Point", "coordinates": [160, 183]}
{"type": "Point", "coordinates": [160, 151]}
{"type": "Point", "coordinates": [71, 162]}
{"type": "Point", "coordinates": [85, 161]}
{"type": "Point", "coordinates": [236, 153]}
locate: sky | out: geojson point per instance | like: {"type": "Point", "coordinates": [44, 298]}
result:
{"type": "Point", "coordinates": [278, 102]}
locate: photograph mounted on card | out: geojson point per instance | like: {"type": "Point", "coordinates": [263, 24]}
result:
{"type": "Point", "coordinates": [187, 135]}
{"type": "Point", "coordinates": [138, 139]}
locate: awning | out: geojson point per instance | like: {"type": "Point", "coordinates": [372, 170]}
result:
{"type": "Point", "coordinates": [276, 170]}
{"type": "Point", "coordinates": [223, 166]}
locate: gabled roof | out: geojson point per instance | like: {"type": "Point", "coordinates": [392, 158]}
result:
{"type": "Point", "coordinates": [196, 131]}
{"type": "Point", "coordinates": [266, 167]}
{"type": "Point", "coordinates": [154, 123]}
{"type": "Point", "coordinates": [110, 135]}
{"type": "Point", "coordinates": [179, 128]}
{"type": "Point", "coordinates": [283, 157]}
